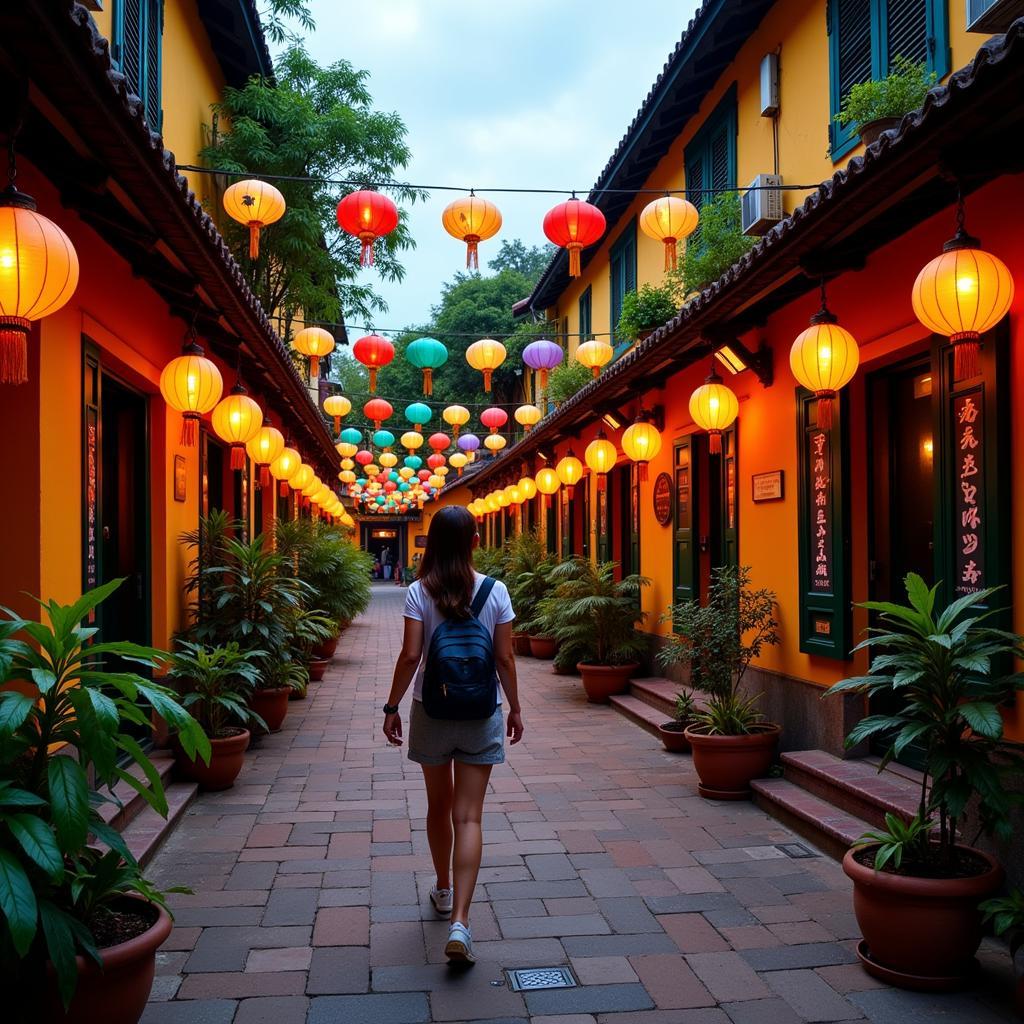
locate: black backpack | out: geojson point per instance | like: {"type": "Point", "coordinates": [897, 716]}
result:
{"type": "Point", "coordinates": [460, 681]}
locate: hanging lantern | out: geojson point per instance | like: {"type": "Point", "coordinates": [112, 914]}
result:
{"type": "Point", "coordinates": [418, 414]}
{"type": "Point", "coordinates": [350, 435]}
{"type": "Point", "coordinates": [541, 356]}
{"type": "Point", "coordinates": [824, 359]}
{"type": "Point", "coordinates": [494, 443]}
{"type": "Point", "coordinates": [641, 442]}
{"type": "Point", "coordinates": [469, 443]}
{"type": "Point", "coordinates": [300, 479]}
{"type": "Point", "coordinates": [494, 418]}
{"type": "Point", "coordinates": [388, 459]}
{"type": "Point", "coordinates": [346, 450]}
{"type": "Point", "coordinates": [600, 457]}
{"type": "Point", "coordinates": [527, 488]}
{"type": "Point", "coordinates": [236, 419]}
{"type": "Point", "coordinates": [192, 385]}
{"type": "Point", "coordinates": [574, 225]}
{"type": "Point", "coordinates": [373, 352]}
{"type": "Point", "coordinates": [312, 485]}
{"type": "Point", "coordinates": [38, 274]}
{"type": "Point", "coordinates": [412, 461]}
{"type": "Point", "coordinates": [377, 410]}
{"type": "Point", "coordinates": [458, 460]}
{"type": "Point", "coordinates": [547, 483]}
{"type": "Point", "coordinates": [669, 220]}
{"type": "Point", "coordinates": [337, 406]}
{"type": "Point", "coordinates": [594, 355]}
{"type": "Point", "coordinates": [368, 215]}
{"type": "Point", "coordinates": [486, 355]}
{"type": "Point", "coordinates": [437, 482]}
{"type": "Point", "coordinates": [455, 416]}
{"type": "Point", "coordinates": [569, 470]}
{"type": "Point", "coordinates": [383, 439]}
{"type": "Point", "coordinates": [439, 442]}
{"type": "Point", "coordinates": [348, 463]}
{"type": "Point", "coordinates": [714, 407]}
{"type": "Point", "coordinates": [511, 493]}
{"type": "Point", "coordinates": [410, 440]}
{"type": "Point", "coordinates": [254, 204]}
{"type": "Point", "coordinates": [436, 460]}
{"type": "Point", "coordinates": [471, 220]}
{"type": "Point", "coordinates": [315, 343]}
{"type": "Point", "coordinates": [364, 458]}
{"type": "Point", "coordinates": [502, 499]}
{"type": "Point", "coordinates": [283, 468]}
{"type": "Point", "coordinates": [527, 416]}
{"type": "Point", "coordinates": [427, 354]}
{"type": "Point", "coordinates": [263, 447]}
{"type": "Point", "coordinates": [962, 294]}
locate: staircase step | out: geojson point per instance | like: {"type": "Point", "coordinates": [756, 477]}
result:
{"type": "Point", "coordinates": [131, 803]}
{"type": "Point", "coordinates": [661, 693]}
{"type": "Point", "coordinates": [640, 712]}
{"type": "Point", "coordinates": [147, 830]}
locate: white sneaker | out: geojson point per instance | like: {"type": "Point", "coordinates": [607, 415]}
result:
{"type": "Point", "coordinates": [442, 900]}
{"type": "Point", "coordinates": [459, 948]}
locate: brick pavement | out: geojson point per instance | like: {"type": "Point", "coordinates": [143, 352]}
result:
{"type": "Point", "coordinates": [310, 879]}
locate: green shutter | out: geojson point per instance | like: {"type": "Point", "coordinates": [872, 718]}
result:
{"type": "Point", "coordinates": [154, 25]}
{"type": "Point", "coordinates": [586, 322]}
{"type": "Point", "coordinates": [685, 498]}
{"type": "Point", "coordinates": [622, 270]}
{"type": "Point", "coordinates": [728, 499]}
{"type": "Point", "coordinates": [710, 158]}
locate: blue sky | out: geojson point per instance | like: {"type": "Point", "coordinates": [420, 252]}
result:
{"type": "Point", "coordinates": [521, 93]}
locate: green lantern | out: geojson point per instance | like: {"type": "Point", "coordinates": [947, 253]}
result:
{"type": "Point", "coordinates": [427, 354]}
{"type": "Point", "coordinates": [417, 414]}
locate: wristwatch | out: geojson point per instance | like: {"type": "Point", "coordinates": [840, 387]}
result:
{"type": "Point", "coordinates": [390, 709]}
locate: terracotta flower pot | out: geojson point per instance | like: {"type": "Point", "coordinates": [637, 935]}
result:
{"type": "Point", "coordinates": [602, 681]}
{"type": "Point", "coordinates": [673, 736]}
{"type": "Point", "coordinates": [521, 644]}
{"type": "Point", "coordinates": [226, 756]}
{"type": "Point", "coordinates": [543, 646]}
{"type": "Point", "coordinates": [327, 648]}
{"type": "Point", "coordinates": [117, 992]}
{"type": "Point", "coordinates": [317, 667]}
{"type": "Point", "coordinates": [271, 705]}
{"type": "Point", "coordinates": [564, 670]}
{"type": "Point", "coordinates": [920, 933]}
{"type": "Point", "coordinates": [726, 764]}
{"type": "Point", "coordinates": [869, 131]}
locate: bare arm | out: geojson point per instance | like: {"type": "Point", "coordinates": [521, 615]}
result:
{"type": "Point", "coordinates": [505, 662]}
{"type": "Point", "coordinates": [405, 668]}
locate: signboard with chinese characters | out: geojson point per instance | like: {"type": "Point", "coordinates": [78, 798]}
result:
{"type": "Point", "coordinates": [662, 497]}
{"type": "Point", "coordinates": [970, 514]}
{"type": "Point", "coordinates": [820, 513]}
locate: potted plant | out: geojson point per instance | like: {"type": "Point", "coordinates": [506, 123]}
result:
{"type": "Point", "coordinates": [730, 740]}
{"type": "Point", "coordinates": [1005, 914]}
{"type": "Point", "coordinates": [216, 684]}
{"type": "Point", "coordinates": [310, 630]}
{"type": "Point", "coordinates": [278, 680]}
{"type": "Point", "coordinates": [875, 107]}
{"type": "Point", "coordinates": [916, 886]}
{"type": "Point", "coordinates": [717, 244]}
{"type": "Point", "coordinates": [79, 926]}
{"type": "Point", "coordinates": [490, 562]}
{"type": "Point", "coordinates": [529, 566]}
{"type": "Point", "coordinates": [596, 617]}
{"type": "Point", "coordinates": [646, 309]}
{"type": "Point", "coordinates": [673, 733]}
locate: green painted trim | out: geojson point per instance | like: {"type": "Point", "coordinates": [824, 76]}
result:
{"type": "Point", "coordinates": [686, 540]}
{"type": "Point", "coordinates": [620, 253]}
{"type": "Point", "coordinates": [698, 150]}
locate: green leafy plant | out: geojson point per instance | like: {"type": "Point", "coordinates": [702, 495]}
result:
{"type": "Point", "coordinates": [718, 641]}
{"type": "Point", "coordinates": [55, 892]}
{"type": "Point", "coordinates": [566, 379]}
{"type": "Point", "coordinates": [1006, 915]}
{"type": "Point", "coordinates": [901, 91]}
{"type": "Point", "coordinates": [717, 244]}
{"type": "Point", "coordinates": [685, 707]}
{"type": "Point", "coordinates": [645, 309]}
{"type": "Point", "coordinates": [939, 668]}
{"type": "Point", "coordinates": [896, 839]}
{"type": "Point", "coordinates": [529, 575]}
{"type": "Point", "coordinates": [490, 562]}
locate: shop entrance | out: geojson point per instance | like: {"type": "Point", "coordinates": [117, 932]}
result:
{"type": "Point", "coordinates": [386, 544]}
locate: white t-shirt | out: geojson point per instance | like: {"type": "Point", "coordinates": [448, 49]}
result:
{"type": "Point", "coordinates": [419, 605]}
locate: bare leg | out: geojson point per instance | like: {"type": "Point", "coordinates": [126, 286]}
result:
{"type": "Point", "coordinates": [467, 811]}
{"type": "Point", "coordinates": [439, 819]}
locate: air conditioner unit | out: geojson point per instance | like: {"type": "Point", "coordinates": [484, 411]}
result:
{"type": "Point", "coordinates": [762, 204]}
{"type": "Point", "coordinates": [992, 16]}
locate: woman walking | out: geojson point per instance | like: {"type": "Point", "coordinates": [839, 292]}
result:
{"type": "Point", "coordinates": [458, 645]}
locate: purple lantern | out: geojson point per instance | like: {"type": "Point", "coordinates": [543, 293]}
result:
{"type": "Point", "coordinates": [543, 355]}
{"type": "Point", "coordinates": [469, 442]}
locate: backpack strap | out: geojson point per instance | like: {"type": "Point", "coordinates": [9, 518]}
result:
{"type": "Point", "coordinates": [481, 596]}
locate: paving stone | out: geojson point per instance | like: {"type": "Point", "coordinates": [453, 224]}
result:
{"type": "Point", "coordinates": [194, 1011]}
{"type": "Point", "coordinates": [727, 976]}
{"type": "Point", "coordinates": [810, 996]}
{"type": "Point", "coordinates": [607, 882]}
{"type": "Point", "coordinates": [893, 1004]}
{"type": "Point", "coordinates": [293, 958]}
{"type": "Point", "coordinates": [291, 906]}
{"type": "Point", "coordinates": [670, 982]}
{"type": "Point", "coordinates": [272, 1010]}
{"type": "Point", "coordinates": [518, 908]}
{"type": "Point", "coordinates": [227, 949]}
{"type": "Point", "coordinates": [339, 970]}
{"type": "Point", "coordinates": [589, 999]}
{"type": "Point", "coordinates": [812, 954]}
{"type": "Point", "coordinates": [342, 926]}
{"type": "Point", "coordinates": [238, 985]}
{"type": "Point", "coordinates": [692, 933]}
{"type": "Point", "coordinates": [707, 1015]}
{"type": "Point", "coordinates": [603, 970]}
{"type": "Point", "coordinates": [397, 943]}
{"type": "Point", "coordinates": [628, 915]}
{"type": "Point", "coordinates": [550, 867]}
{"type": "Point", "coordinates": [377, 1008]}
{"type": "Point", "coordinates": [762, 1011]}
{"type": "Point", "coordinates": [618, 945]}
{"type": "Point", "coordinates": [540, 927]}
{"type": "Point", "coordinates": [847, 978]}
{"type": "Point", "coordinates": [536, 890]}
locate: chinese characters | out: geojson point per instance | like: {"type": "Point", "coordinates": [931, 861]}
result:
{"type": "Point", "coordinates": [820, 512]}
{"type": "Point", "coordinates": [970, 512]}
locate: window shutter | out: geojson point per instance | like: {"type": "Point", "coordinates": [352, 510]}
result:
{"type": "Point", "coordinates": [131, 44]}
{"type": "Point", "coordinates": [154, 30]}
{"type": "Point", "coordinates": [629, 257]}
{"type": "Point", "coordinates": [695, 180]}
{"type": "Point", "coordinates": [906, 24]}
{"type": "Point", "coordinates": [718, 153]}
{"type": "Point", "coordinates": [853, 26]}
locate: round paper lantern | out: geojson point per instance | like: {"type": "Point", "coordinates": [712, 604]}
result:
{"type": "Point", "coordinates": [377, 410]}
{"type": "Point", "coordinates": [569, 470]}
{"type": "Point", "coordinates": [368, 215]}
{"type": "Point", "coordinates": [511, 492]}
{"type": "Point", "coordinates": [372, 470]}
{"type": "Point", "coordinates": [348, 463]}
{"type": "Point", "coordinates": [424, 474]}
{"type": "Point", "coordinates": [455, 416]}
{"type": "Point", "coordinates": [412, 461]}
{"type": "Point", "coordinates": [600, 457]}
{"type": "Point", "coordinates": [38, 274]}
{"type": "Point", "coordinates": [669, 220]}
{"type": "Point", "coordinates": [437, 482]}
{"type": "Point", "coordinates": [594, 355]}
{"type": "Point", "coordinates": [411, 440]}
{"type": "Point", "coordinates": [254, 204]}
{"type": "Point", "coordinates": [527, 488]}
{"type": "Point", "coordinates": [427, 354]}
{"type": "Point", "coordinates": [502, 499]}
{"type": "Point", "coordinates": [486, 355]}
{"type": "Point", "coordinates": [373, 352]}
{"type": "Point", "coordinates": [713, 407]}
{"type": "Point", "coordinates": [364, 458]}
{"type": "Point", "coordinates": [458, 460]}
{"type": "Point", "coordinates": [439, 442]}
{"type": "Point", "coordinates": [494, 418]}
{"type": "Point", "coordinates": [471, 220]}
{"type": "Point", "coordinates": [469, 442]}
{"type": "Point", "coordinates": [350, 435]}
{"type": "Point", "coordinates": [346, 450]}
{"type": "Point", "coordinates": [824, 358]}
{"type": "Point", "coordinates": [435, 460]}
{"type": "Point", "coordinates": [641, 442]}
{"type": "Point", "coordinates": [301, 478]}
{"type": "Point", "coordinates": [192, 385]}
{"type": "Point", "coordinates": [388, 459]}
{"type": "Point", "coordinates": [383, 439]}
{"type": "Point", "coordinates": [284, 467]}
{"type": "Point", "coordinates": [417, 414]}
{"type": "Point", "coordinates": [313, 342]}
{"type": "Point", "coordinates": [542, 356]}
{"type": "Point", "coordinates": [574, 225]}
{"type": "Point", "coordinates": [494, 443]}
{"type": "Point", "coordinates": [337, 406]}
{"type": "Point", "coordinates": [962, 294]}
{"type": "Point", "coordinates": [527, 416]}
{"type": "Point", "coordinates": [236, 419]}
{"type": "Point", "coordinates": [263, 447]}
{"type": "Point", "coordinates": [547, 483]}
{"type": "Point", "coordinates": [405, 472]}
{"type": "Point", "coordinates": [313, 484]}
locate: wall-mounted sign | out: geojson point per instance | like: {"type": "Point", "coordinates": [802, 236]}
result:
{"type": "Point", "coordinates": [820, 512]}
{"type": "Point", "coordinates": [179, 478]}
{"type": "Point", "coordinates": [421, 540]}
{"type": "Point", "coordinates": [663, 499]}
{"type": "Point", "coordinates": [383, 534]}
{"type": "Point", "coordinates": [969, 502]}
{"type": "Point", "coordinates": [767, 486]}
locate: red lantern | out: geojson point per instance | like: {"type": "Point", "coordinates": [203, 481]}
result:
{"type": "Point", "coordinates": [373, 352]}
{"type": "Point", "coordinates": [377, 410]}
{"type": "Point", "coordinates": [494, 418]}
{"type": "Point", "coordinates": [439, 442]}
{"type": "Point", "coordinates": [364, 458]}
{"type": "Point", "coordinates": [574, 225]}
{"type": "Point", "coordinates": [368, 215]}
{"type": "Point", "coordinates": [424, 475]}
{"type": "Point", "coordinates": [436, 460]}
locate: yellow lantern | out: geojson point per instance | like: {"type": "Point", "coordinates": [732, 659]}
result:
{"type": "Point", "coordinates": [406, 472]}
{"type": "Point", "coordinates": [236, 419]}
{"type": "Point", "coordinates": [510, 494]}
{"type": "Point", "coordinates": [254, 204]}
{"type": "Point", "coordinates": [594, 355]}
{"type": "Point", "coordinates": [458, 460]}
{"type": "Point", "coordinates": [527, 416]}
{"type": "Point", "coordinates": [435, 481]}
{"type": "Point", "coordinates": [569, 470]}
{"type": "Point", "coordinates": [471, 220]}
{"type": "Point", "coordinates": [492, 502]}
{"type": "Point", "coordinates": [38, 274]}
{"type": "Point", "coordinates": [347, 464]}
{"type": "Point", "coordinates": [455, 416]}
{"type": "Point", "coordinates": [411, 440]}
{"type": "Point", "coordinates": [486, 355]}
{"type": "Point", "coordinates": [372, 471]}
{"type": "Point", "coordinates": [283, 468]}
{"type": "Point", "coordinates": [315, 343]}
{"type": "Point", "coordinates": [494, 443]}
{"type": "Point", "coordinates": [501, 498]}
{"type": "Point", "coordinates": [312, 487]}
{"type": "Point", "coordinates": [669, 220]}
{"type": "Point", "coordinates": [337, 406]}
{"type": "Point", "coordinates": [527, 488]}
{"type": "Point", "coordinates": [547, 483]}
{"type": "Point", "coordinates": [263, 447]}
{"type": "Point", "coordinates": [600, 457]}
{"type": "Point", "coordinates": [641, 442]}
{"type": "Point", "coordinates": [192, 385]}
{"type": "Point", "coordinates": [824, 358]}
{"type": "Point", "coordinates": [301, 478]}
{"type": "Point", "coordinates": [346, 476]}
{"type": "Point", "coordinates": [714, 407]}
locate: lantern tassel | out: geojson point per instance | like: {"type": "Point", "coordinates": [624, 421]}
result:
{"type": "Point", "coordinates": [544, 380]}
{"type": "Point", "coordinates": [825, 412]}
{"type": "Point", "coordinates": [238, 456]}
{"type": "Point", "coordinates": [602, 481]}
{"type": "Point", "coordinates": [13, 350]}
{"type": "Point", "coordinates": [596, 371]}
{"type": "Point", "coordinates": [189, 429]}
{"type": "Point", "coordinates": [715, 442]}
{"type": "Point", "coordinates": [966, 352]}
{"type": "Point", "coordinates": [337, 424]}
{"type": "Point", "coordinates": [373, 379]}
{"type": "Point", "coordinates": [419, 430]}
{"type": "Point", "coordinates": [366, 253]}
{"type": "Point", "coordinates": [671, 256]}
{"type": "Point", "coordinates": [264, 477]}
{"type": "Point", "coordinates": [574, 258]}
{"type": "Point", "coordinates": [314, 366]}
{"type": "Point", "coordinates": [642, 472]}
{"type": "Point", "coordinates": [472, 256]}
{"type": "Point", "coordinates": [487, 380]}
{"type": "Point", "coordinates": [570, 488]}
{"type": "Point", "coordinates": [428, 381]}
{"type": "Point", "coordinates": [254, 240]}
{"type": "Point", "coordinates": [283, 489]}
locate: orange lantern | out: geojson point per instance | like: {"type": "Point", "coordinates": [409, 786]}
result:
{"type": "Point", "coordinates": [377, 410]}
{"type": "Point", "coordinates": [669, 220]}
{"type": "Point", "coordinates": [471, 220]}
{"type": "Point", "coordinates": [38, 274]}
{"type": "Point", "coordinates": [641, 442]}
{"type": "Point", "coordinates": [486, 355]}
{"type": "Point", "coordinates": [368, 215]}
{"type": "Point", "coordinates": [714, 407]}
{"type": "Point", "coordinates": [455, 416]}
{"type": "Point", "coordinates": [192, 385]}
{"type": "Point", "coordinates": [301, 478]}
{"type": "Point", "coordinates": [574, 225]}
{"type": "Point", "coordinates": [547, 483]}
{"type": "Point", "coordinates": [594, 355]}
{"type": "Point", "coordinates": [600, 457]}
{"type": "Point", "coordinates": [315, 343]}
{"type": "Point", "coordinates": [337, 406]}
{"type": "Point", "coordinates": [411, 440]}
{"type": "Point", "coordinates": [569, 470]}
{"type": "Point", "coordinates": [254, 204]}
{"type": "Point", "coordinates": [236, 420]}
{"type": "Point", "coordinates": [283, 468]}
{"type": "Point", "coordinates": [263, 447]}
{"type": "Point", "coordinates": [527, 416]}
{"type": "Point", "coordinates": [527, 488]}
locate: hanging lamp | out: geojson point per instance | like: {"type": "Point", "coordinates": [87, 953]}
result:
{"type": "Point", "coordinates": [486, 355]}
{"type": "Point", "coordinates": [254, 204]}
{"type": "Point", "coordinates": [669, 220]}
{"type": "Point", "coordinates": [714, 407]}
{"type": "Point", "coordinates": [574, 225]}
{"type": "Point", "coordinates": [373, 352]}
{"type": "Point", "coordinates": [600, 457]}
{"type": "Point", "coordinates": [263, 447]}
{"type": "Point", "coordinates": [570, 471]}
{"type": "Point", "coordinates": [641, 442]}
{"type": "Point", "coordinates": [472, 220]}
{"type": "Point", "coordinates": [594, 355]}
{"type": "Point", "coordinates": [314, 343]}
{"type": "Point", "coordinates": [528, 416]}
{"type": "Point", "coordinates": [192, 385]}
{"type": "Point", "coordinates": [542, 356]}
{"type": "Point", "coordinates": [368, 215]}
{"type": "Point", "coordinates": [428, 355]}
{"type": "Point", "coordinates": [455, 416]}
{"type": "Point", "coordinates": [337, 406]}
{"type": "Point", "coordinates": [236, 420]}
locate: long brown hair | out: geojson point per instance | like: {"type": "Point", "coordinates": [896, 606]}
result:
{"type": "Point", "coordinates": [446, 570]}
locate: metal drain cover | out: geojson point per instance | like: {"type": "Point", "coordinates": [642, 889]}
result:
{"type": "Point", "coordinates": [530, 979]}
{"type": "Point", "coordinates": [796, 850]}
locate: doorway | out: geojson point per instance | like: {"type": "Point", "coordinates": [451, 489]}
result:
{"type": "Point", "coordinates": [386, 545]}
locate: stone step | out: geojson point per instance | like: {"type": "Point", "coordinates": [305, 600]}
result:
{"type": "Point", "coordinates": [131, 804]}
{"type": "Point", "coordinates": [656, 693]}
{"type": "Point", "coordinates": [147, 830]}
{"type": "Point", "coordinates": [639, 712]}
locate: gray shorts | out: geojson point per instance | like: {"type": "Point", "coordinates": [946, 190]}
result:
{"type": "Point", "coordinates": [436, 741]}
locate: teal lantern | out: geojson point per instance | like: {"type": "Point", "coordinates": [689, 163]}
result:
{"type": "Point", "coordinates": [404, 486]}
{"type": "Point", "coordinates": [427, 354]}
{"type": "Point", "coordinates": [351, 436]}
{"type": "Point", "coordinates": [417, 414]}
{"type": "Point", "coordinates": [383, 438]}
{"type": "Point", "coordinates": [413, 461]}
{"type": "Point", "coordinates": [393, 477]}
